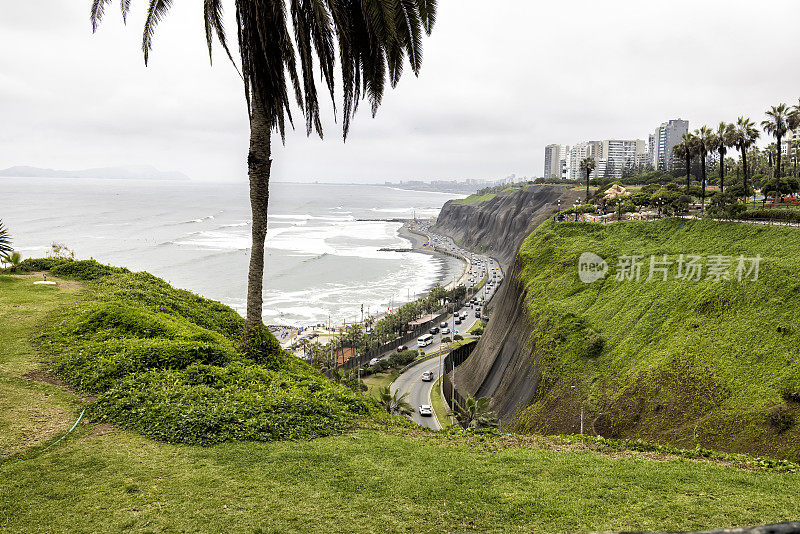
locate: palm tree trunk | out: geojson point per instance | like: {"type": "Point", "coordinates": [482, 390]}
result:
{"type": "Point", "coordinates": [688, 172]}
{"type": "Point", "coordinates": [587, 186]}
{"type": "Point", "coordinates": [703, 184]}
{"type": "Point", "coordinates": [744, 170]}
{"type": "Point", "coordinates": [721, 171]}
{"type": "Point", "coordinates": [778, 164]}
{"type": "Point", "coordinates": [259, 164]}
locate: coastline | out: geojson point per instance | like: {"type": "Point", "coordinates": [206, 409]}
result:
{"type": "Point", "coordinates": [453, 268]}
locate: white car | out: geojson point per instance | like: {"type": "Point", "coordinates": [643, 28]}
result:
{"type": "Point", "coordinates": [445, 330]}
{"type": "Point", "coordinates": [427, 376]}
{"type": "Point", "coordinates": [425, 410]}
{"type": "Point", "coordinates": [373, 361]}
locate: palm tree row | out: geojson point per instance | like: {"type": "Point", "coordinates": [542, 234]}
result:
{"type": "Point", "coordinates": [740, 136]}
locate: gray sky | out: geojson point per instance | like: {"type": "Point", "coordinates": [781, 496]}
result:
{"type": "Point", "coordinates": [498, 83]}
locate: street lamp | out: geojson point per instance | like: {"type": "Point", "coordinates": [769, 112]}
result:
{"type": "Point", "coordinates": [573, 387]}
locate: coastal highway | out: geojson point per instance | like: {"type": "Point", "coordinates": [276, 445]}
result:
{"type": "Point", "coordinates": [410, 382]}
{"type": "Point", "coordinates": [419, 392]}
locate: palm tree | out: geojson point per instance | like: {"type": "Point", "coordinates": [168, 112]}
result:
{"type": "Point", "coordinates": [704, 138]}
{"type": "Point", "coordinates": [776, 125]}
{"type": "Point", "coordinates": [686, 150]}
{"type": "Point", "coordinates": [723, 138]}
{"type": "Point", "coordinates": [5, 240]}
{"type": "Point", "coordinates": [588, 165]}
{"type": "Point", "coordinates": [392, 403]}
{"type": "Point", "coordinates": [474, 413]}
{"type": "Point", "coordinates": [374, 38]}
{"type": "Point", "coordinates": [746, 135]}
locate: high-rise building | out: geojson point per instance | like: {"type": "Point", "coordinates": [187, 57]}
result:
{"type": "Point", "coordinates": [555, 161]}
{"type": "Point", "coordinates": [620, 154]}
{"type": "Point", "coordinates": [665, 137]}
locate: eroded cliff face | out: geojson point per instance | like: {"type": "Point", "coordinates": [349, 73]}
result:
{"type": "Point", "coordinates": [498, 226]}
{"type": "Point", "coordinates": [504, 363]}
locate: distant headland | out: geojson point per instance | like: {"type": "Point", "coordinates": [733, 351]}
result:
{"type": "Point", "coordinates": [130, 172]}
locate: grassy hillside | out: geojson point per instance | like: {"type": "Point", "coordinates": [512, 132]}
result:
{"type": "Point", "coordinates": [710, 363]}
{"type": "Point", "coordinates": [380, 476]}
{"type": "Point", "coordinates": [475, 199]}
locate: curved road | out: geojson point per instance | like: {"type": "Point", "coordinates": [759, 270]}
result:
{"type": "Point", "coordinates": [410, 382]}
{"type": "Point", "coordinates": [419, 392]}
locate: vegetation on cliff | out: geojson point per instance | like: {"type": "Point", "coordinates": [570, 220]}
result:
{"type": "Point", "coordinates": [707, 363]}
{"type": "Point", "coordinates": [169, 364]}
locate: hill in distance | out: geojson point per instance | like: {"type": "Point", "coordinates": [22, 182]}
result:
{"type": "Point", "coordinates": [128, 172]}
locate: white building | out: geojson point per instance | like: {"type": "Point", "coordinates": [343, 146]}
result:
{"type": "Point", "coordinates": [555, 161]}
{"type": "Point", "coordinates": [665, 137]}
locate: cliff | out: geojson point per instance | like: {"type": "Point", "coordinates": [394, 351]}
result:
{"type": "Point", "coordinates": [709, 363]}
{"type": "Point", "coordinates": [498, 225]}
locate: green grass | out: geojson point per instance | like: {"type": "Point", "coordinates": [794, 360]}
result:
{"type": "Point", "coordinates": [475, 199]}
{"type": "Point", "coordinates": [439, 407]}
{"type": "Point", "coordinates": [686, 363]}
{"type": "Point", "coordinates": [386, 476]}
{"type": "Point", "coordinates": [379, 380]}
{"type": "Point", "coordinates": [375, 481]}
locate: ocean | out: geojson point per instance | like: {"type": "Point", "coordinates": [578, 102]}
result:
{"type": "Point", "coordinates": [322, 262]}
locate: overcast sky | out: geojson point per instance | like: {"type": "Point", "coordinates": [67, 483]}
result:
{"type": "Point", "coordinates": [500, 80]}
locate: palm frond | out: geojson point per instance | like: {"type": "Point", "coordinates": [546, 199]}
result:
{"type": "Point", "coordinates": [279, 64]}
{"type": "Point", "coordinates": [97, 10]}
{"type": "Point", "coordinates": [5, 240]}
{"type": "Point", "coordinates": [155, 13]}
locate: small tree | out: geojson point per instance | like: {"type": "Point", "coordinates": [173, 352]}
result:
{"type": "Point", "coordinates": [5, 240]}
{"type": "Point", "coordinates": [474, 413]}
{"type": "Point", "coordinates": [392, 403]}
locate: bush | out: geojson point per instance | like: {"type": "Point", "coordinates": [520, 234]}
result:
{"type": "Point", "coordinates": [785, 215]}
{"type": "Point", "coordinates": [594, 344]}
{"type": "Point", "coordinates": [206, 404]}
{"type": "Point", "coordinates": [446, 340]}
{"type": "Point", "coordinates": [165, 363]}
{"type": "Point", "coordinates": [458, 337]}
{"type": "Point", "coordinates": [401, 359]}
{"type": "Point", "coordinates": [780, 418]}
{"type": "Point", "coordinates": [95, 366]}
{"type": "Point", "coordinates": [478, 331]}
{"type": "Point", "coordinates": [31, 265]}
{"type": "Point", "coordinates": [84, 270]}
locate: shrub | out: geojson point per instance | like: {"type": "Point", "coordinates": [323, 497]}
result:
{"type": "Point", "coordinates": [84, 270]}
{"type": "Point", "coordinates": [94, 366]}
{"type": "Point", "coordinates": [478, 331]}
{"type": "Point", "coordinates": [791, 392]}
{"type": "Point", "coordinates": [458, 337]}
{"type": "Point", "coordinates": [787, 215]}
{"type": "Point", "coordinates": [400, 359]}
{"type": "Point", "coordinates": [206, 404]}
{"type": "Point", "coordinates": [31, 265]}
{"type": "Point", "coordinates": [780, 418]}
{"type": "Point", "coordinates": [446, 340]}
{"type": "Point", "coordinates": [594, 344]}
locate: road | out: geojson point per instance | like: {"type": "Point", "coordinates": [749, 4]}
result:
{"type": "Point", "coordinates": [419, 392]}
{"type": "Point", "coordinates": [480, 267]}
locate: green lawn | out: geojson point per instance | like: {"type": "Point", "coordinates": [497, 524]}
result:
{"type": "Point", "coordinates": [385, 476]}
{"type": "Point", "coordinates": [379, 380]}
{"type": "Point", "coordinates": [439, 407]}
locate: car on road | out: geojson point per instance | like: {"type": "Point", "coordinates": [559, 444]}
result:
{"type": "Point", "coordinates": [425, 410]}
{"type": "Point", "coordinates": [374, 361]}
{"type": "Point", "coordinates": [401, 348]}
{"type": "Point", "coordinates": [443, 325]}
{"type": "Point", "coordinates": [427, 376]}
{"type": "Point", "coordinates": [478, 314]}
{"type": "Point", "coordinates": [434, 330]}
{"type": "Point", "coordinates": [445, 330]}
{"type": "Point", "coordinates": [457, 320]}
